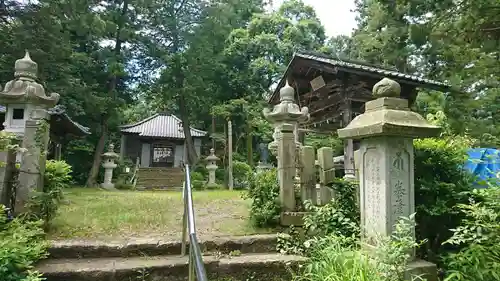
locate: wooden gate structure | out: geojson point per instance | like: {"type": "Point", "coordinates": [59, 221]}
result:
{"type": "Point", "coordinates": [335, 91]}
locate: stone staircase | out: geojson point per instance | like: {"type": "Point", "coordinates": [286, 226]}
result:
{"type": "Point", "coordinates": [160, 178]}
{"type": "Point", "coordinates": [233, 258]}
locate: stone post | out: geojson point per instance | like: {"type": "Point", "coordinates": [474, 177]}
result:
{"type": "Point", "coordinates": [230, 181]}
{"type": "Point", "coordinates": [211, 167]}
{"type": "Point", "coordinates": [284, 118]}
{"type": "Point", "coordinates": [109, 165]}
{"type": "Point", "coordinates": [27, 116]}
{"type": "Point", "coordinates": [308, 174]}
{"type": "Point", "coordinates": [386, 131]}
{"type": "Point", "coordinates": [326, 174]}
{"type": "Point", "coordinates": [286, 167]}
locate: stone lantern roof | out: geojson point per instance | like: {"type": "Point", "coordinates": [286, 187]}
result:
{"type": "Point", "coordinates": [110, 154]}
{"type": "Point", "coordinates": [24, 89]}
{"type": "Point", "coordinates": [212, 156]}
{"type": "Point", "coordinates": [287, 110]}
{"type": "Point", "coordinates": [388, 115]}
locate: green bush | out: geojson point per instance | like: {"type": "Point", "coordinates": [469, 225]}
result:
{"type": "Point", "coordinates": [340, 217]}
{"type": "Point", "coordinates": [264, 191]}
{"type": "Point", "coordinates": [197, 181]}
{"type": "Point", "coordinates": [57, 175]}
{"type": "Point", "coordinates": [44, 205]}
{"type": "Point", "coordinates": [21, 244]}
{"type": "Point", "coordinates": [339, 258]}
{"type": "Point", "coordinates": [241, 174]}
{"type": "Point", "coordinates": [441, 183]}
{"type": "Point", "coordinates": [479, 238]}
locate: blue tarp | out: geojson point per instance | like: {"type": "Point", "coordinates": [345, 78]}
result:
{"type": "Point", "coordinates": [484, 163]}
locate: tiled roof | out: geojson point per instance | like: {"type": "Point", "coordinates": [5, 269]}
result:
{"type": "Point", "coordinates": [161, 125]}
{"type": "Point", "coordinates": [66, 124]}
{"type": "Point", "coordinates": [367, 68]}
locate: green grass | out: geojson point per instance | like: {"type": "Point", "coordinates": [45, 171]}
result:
{"type": "Point", "coordinates": [98, 214]}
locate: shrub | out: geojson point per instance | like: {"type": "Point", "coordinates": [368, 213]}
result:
{"type": "Point", "coordinates": [241, 174]}
{"type": "Point", "coordinates": [57, 175]}
{"type": "Point", "coordinates": [479, 237]}
{"type": "Point", "coordinates": [340, 217]}
{"type": "Point", "coordinates": [197, 181]}
{"type": "Point", "coordinates": [21, 244]}
{"type": "Point", "coordinates": [44, 205]}
{"type": "Point", "coordinates": [338, 258]}
{"type": "Point", "coordinates": [440, 184]}
{"type": "Point", "coordinates": [264, 191]}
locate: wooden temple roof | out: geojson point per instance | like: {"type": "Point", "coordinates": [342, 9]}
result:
{"type": "Point", "coordinates": [328, 85]}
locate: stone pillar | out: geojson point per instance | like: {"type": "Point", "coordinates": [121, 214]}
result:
{"type": "Point", "coordinates": [26, 116]}
{"type": "Point", "coordinates": [308, 174]}
{"type": "Point", "coordinates": [58, 151]}
{"type": "Point", "coordinates": [109, 165]}
{"type": "Point", "coordinates": [326, 174]}
{"type": "Point", "coordinates": [286, 167]}
{"type": "Point", "coordinates": [230, 155]}
{"type": "Point", "coordinates": [386, 131]}
{"type": "Point", "coordinates": [284, 118]}
{"type": "Point", "coordinates": [211, 167]}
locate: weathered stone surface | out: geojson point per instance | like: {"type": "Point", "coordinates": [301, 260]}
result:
{"type": "Point", "coordinates": [292, 218]}
{"type": "Point", "coordinates": [308, 174]}
{"type": "Point", "coordinates": [152, 247]}
{"type": "Point", "coordinates": [169, 268]}
{"type": "Point", "coordinates": [386, 88]}
{"type": "Point", "coordinates": [286, 167]}
{"type": "Point", "coordinates": [423, 269]}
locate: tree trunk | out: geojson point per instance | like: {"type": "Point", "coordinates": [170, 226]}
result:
{"type": "Point", "coordinates": [249, 145]}
{"type": "Point", "coordinates": [94, 171]}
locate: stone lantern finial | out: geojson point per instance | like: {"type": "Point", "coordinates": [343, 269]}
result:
{"type": "Point", "coordinates": [387, 88]}
{"type": "Point", "coordinates": [25, 67]}
{"type": "Point", "coordinates": [287, 93]}
{"type": "Point", "coordinates": [111, 148]}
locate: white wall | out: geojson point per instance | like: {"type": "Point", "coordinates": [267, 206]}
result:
{"type": "Point", "coordinates": [145, 154]}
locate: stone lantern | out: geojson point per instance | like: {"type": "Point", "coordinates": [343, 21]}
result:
{"type": "Point", "coordinates": [24, 98]}
{"type": "Point", "coordinates": [287, 111]}
{"type": "Point", "coordinates": [108, 165]}
{"type": "Point", "coordinates": [285, 118]}
{"type": "Point", "coordinates": [386, 130]}
{"type": "Point", "coordinates": [27, 116]}
{"type": "Point", "coordinates": [211, 167]}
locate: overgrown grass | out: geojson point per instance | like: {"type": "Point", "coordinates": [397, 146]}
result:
{"type": "Point", "coordinates": [93, 213]}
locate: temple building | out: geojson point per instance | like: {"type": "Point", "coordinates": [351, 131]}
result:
{"type": "Point", "coordinates": [158, 141]}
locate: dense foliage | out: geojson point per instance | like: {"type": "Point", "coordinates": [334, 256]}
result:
{"type": "Point", "coordinates": [43, 205]}
{"type": "Point", "coordinates": [263, 191]}
{"type": "Point", "coordinates": [478, 235]}
{"type": "Point", "coordinates": [21, 244]}
{"type": "Point", "coordinates": [337, 258]}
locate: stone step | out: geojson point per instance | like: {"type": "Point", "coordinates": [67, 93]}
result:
{"type": "Point", "coordinates": [263, 243]}
{"type": "Point", "coordinates": [166, 268]}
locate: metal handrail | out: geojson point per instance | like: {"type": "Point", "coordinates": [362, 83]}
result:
{"type": "Point", "coordinates": [196, 265]}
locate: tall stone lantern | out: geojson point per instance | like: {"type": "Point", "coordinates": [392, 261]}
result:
{"type": "Point", "coordinates": [109, 165]}
{"type": "Point", "coordinates": [212, 167]}
{"type": "Point", "coordinates": [285, 117]}
{"type": "Point", "coordinates": [26, 116]}
{"type": "Point", "coordinates": [386, 130]}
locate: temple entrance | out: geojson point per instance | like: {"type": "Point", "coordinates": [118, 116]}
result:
{"type": "Point", "coordinates": [163, 155]}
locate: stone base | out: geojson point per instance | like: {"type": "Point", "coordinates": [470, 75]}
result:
{"type": "Point", "coordinates": [423, 269]}
{"type": "Point", "coordinates": [292, 218]}
{"type": "Point", "coordinates": [108, 186]}
{"type": "Point", "coordinates": [263, 167]}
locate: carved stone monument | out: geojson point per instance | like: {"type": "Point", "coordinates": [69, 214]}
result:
{"type": "Point", "coordinates": [27, 116]}
{"type": "Point", "coordinates": [109, 165]}
{"type": "Point", "coordinates": [211, 167]}
{"type": "Point", "coordinates": [285, 117]}
{"type": "Point", "coordinates": [386, 130]}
